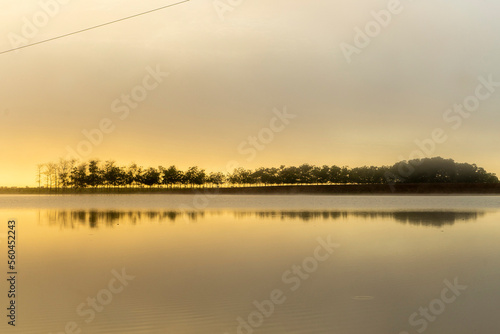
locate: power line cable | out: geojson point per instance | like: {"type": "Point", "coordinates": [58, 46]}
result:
{"type": "Point", "coordinates": [94, 27]}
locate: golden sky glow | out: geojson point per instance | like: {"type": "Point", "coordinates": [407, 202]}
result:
{"type": "Point", "coordinates": [227, 77]}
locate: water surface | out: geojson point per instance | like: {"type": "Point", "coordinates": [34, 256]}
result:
{"type": "Point", "coordinates": [201, 264]}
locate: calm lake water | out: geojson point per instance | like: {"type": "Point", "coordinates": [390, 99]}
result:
{"type": "Point", "coordinates": [254, 264]}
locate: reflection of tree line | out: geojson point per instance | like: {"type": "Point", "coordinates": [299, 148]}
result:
{"type": "Point", "coordinates": [432, 218]}
{"type": "Point", "coordinates": [96, 218]}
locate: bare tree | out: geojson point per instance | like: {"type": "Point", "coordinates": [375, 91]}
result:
{"type": "Point", "coordinates": [39, 173]}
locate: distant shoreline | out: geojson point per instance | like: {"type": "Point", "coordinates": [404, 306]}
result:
{"type": "Point", "coordinates": [354, 189]}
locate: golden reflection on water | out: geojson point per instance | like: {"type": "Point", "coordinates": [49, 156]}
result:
{"type": "Point", "coordinates": [197, 271]}
{"type": "Point", "coordinates": [110, 218]}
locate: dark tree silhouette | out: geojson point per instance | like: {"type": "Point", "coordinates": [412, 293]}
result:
{"type": "Point", "coordinates": [95, 174]}
{"type": "Point", "coordinates": [216, 179]}
{"type": "Point", "coordinates": [151, 177]}
{"type": "Point", "coordinates": [78, 177]}
{"type": "Point", "coordinates": [67, 173]}
{"type": "Point", "coordinates": [439, 170]}
{"type": "Point", "coordinates": [172, 176]}
{"type": "Point", "coordinates": [195, 176]}
{"type": "Point", "coordinates": [112, 174]}
{"type": "Point", "coordinates": [242, 176]}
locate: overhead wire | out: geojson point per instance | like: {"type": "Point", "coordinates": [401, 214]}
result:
{"type": "Point", "coordinates": [94, 27]}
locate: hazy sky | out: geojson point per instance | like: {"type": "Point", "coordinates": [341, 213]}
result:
{"type": "Point", "coordinates": [229, 70]}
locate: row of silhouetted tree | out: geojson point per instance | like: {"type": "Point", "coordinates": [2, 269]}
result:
{"type": "Point", "coordinates": [93, 174]}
